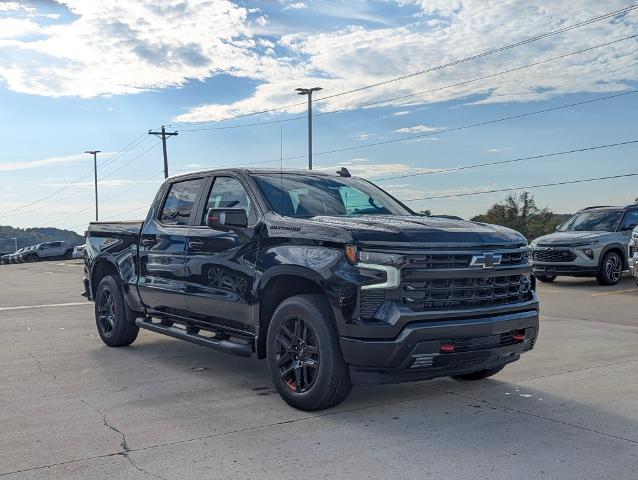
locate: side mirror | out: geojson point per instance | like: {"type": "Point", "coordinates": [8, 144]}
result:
{"type": "Point", "coordinates": [227, 219]}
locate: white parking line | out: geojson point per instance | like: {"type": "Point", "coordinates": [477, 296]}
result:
{"type": "Point", "coordinates": [611, 293]}
{"type": "Point", "coordinates": [26, 307]}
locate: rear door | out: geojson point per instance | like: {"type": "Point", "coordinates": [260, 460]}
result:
{"type": "Point", "coordinates": [163, 248]}
{"type": "Point", "coordinates": [220, 264]}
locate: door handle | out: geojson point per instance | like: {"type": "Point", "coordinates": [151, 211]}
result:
{"type": "Point", "coordinates": [148, 242]}
{"type": "Point", "coordinates": [195, 245]}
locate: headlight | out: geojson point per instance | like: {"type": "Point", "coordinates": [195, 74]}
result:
{"type": "Point", "coordinates": [382, 258]}
{"type": "Point", "coordinates": [384, 262]}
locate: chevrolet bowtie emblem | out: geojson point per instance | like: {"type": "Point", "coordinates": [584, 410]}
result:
{"type": "Point", "coordinates": [487, 260]}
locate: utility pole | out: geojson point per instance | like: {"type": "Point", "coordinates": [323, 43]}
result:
{"type": "Point", "coordinates": [163, 134]}
{"type": "Point", "coordinates": [15, 243]}
{"type": "Point", "coordinates": [308, 91]}
{"type": "Point", "coordinates": [94, 153]}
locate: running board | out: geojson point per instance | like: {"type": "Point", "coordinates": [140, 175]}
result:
{"type": "Point", "coordinates": [225, 346]}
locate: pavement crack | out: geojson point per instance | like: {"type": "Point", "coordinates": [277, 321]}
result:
{"type": "Point", "coordinates": [124, 444]}
{"type": "Point", "coordinates": [140, 469]}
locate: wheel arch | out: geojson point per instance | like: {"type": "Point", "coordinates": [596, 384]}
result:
{"type": "Point", "coordinates": [282, 283]}
{"type": "Point", "coordinates": [102, 268]}
{"type": "Point", "coordinates": [619, 249]}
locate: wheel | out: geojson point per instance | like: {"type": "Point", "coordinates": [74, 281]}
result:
{"type": "Point", "coordinates": [610, 270]}
{"type": "Point", "coordinates": [31, 258]}
{"type": "Point", "coordinates": [481, 374]}
{"type": "Point", "coordinates": [68, 255]}
{"type": "Point", "coordinates": [112, 316]}
{"type": "Point", "coordinates": [546, 278]}
{"type": "Point", "coordinates": [304, 356]}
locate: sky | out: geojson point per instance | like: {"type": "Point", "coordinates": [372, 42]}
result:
{"type": "Point", "coordinates": [79, 75]}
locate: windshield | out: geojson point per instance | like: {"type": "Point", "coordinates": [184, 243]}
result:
{"type": "Point", "coordinates": [313, 195]}
{"type": "Point", "coordinates": [592, 221]}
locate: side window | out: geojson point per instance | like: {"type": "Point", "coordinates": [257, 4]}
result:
{"type": "Point", "coordinates": [179, 202]}
{"type": "Point", "coordinates": [227, 192]}
{"type": "Point", "coordinates": [630, 221]}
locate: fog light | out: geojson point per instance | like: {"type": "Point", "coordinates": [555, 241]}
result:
{"type": "Point", "coordinates": [589, 252]}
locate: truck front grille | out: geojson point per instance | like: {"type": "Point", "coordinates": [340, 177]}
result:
{"type": "Point", "coordinates": [553, 255]}
{"type": "Point", "coordinates": [445, 281]}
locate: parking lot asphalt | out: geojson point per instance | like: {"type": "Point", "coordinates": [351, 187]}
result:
{"type": "Point", "coordinates": [72, 408]}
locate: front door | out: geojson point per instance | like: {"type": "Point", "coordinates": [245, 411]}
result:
{"type": "Point", "coordinates": [220, 264]}
{"type": "Point", "coordinates": [163, 249]}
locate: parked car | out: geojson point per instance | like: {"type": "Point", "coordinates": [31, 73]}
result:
{"type": "Point", "coordinates": [13, 258]}
{"type": "Point", "coordinates": [633, 254]}
{"type": "Point", "coordinates": [78, 251]}
{"type": "Point", "coordinates": [26, 254]}
{"type": "Point", "coordinates": [330, 278]}
{"type": "Point", "coordinates": [47, 251]}
{"type": "Point", "coordinates": [592, 243]}
{"type": "Point", "coordinates": [4, 259]}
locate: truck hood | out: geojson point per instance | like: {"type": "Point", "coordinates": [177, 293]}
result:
{"type": "Point", "coordinates": [388, 229]}
{"type": "Point", "coordinates": [569, 238]}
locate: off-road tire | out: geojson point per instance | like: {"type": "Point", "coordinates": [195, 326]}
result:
{"type": "Point", "coordinates": [116, 327]}
{"type": "Point", "coordinates": [481, 374]}
{"type": "Point", "coordinates": [546, 278]}
{"type": "Point", "coordinates": [331, 383]}
{"type": "Point", "coordinates": [610, 271]}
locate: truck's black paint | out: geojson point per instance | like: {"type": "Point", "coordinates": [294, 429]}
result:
{"type": "Point", "coordinates": [230, 282]}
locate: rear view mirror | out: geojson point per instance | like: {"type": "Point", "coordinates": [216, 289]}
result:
{"type": "Point", "coordinates": [227, 218]}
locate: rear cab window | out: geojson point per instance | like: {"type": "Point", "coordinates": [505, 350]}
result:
{"type": "Point", "coordinates": [180, 201]}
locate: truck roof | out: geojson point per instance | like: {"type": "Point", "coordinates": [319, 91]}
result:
{"type": "Point", "coordinates": [261, 171]}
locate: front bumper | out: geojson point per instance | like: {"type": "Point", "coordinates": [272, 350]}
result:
{"type": "Point", "coordinates": [554, 269]}
{"type": "Point", "coordinates": [480, 343]}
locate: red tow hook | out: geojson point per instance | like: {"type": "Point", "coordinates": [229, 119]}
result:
{"type": "Point", "coordinates": [518, 335]}
{"type": "Point", "coordinates": [447, 347]}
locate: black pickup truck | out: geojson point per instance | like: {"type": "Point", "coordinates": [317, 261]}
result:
{"type": "Point", "coordinates": [329, 277]}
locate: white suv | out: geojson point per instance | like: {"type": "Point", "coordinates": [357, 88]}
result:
{"type": "Point", "coordinates": [47, 251]}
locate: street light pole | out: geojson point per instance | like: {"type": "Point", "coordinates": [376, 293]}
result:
{"type": "Point", "coordinates": [308, 91]}
{"type": "Point", "coordinates": [15, 243]}
{"type": "Point", "coordinates": [94, 153]}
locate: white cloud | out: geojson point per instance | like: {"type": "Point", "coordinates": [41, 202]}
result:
{"type": "Point", "coordinates": [129, 46]}
{"type": "Point", "coordinates": [494, 150]}
{"type": "Point", "coordinates": [362, 136]}
{"type": "Point", "coordinates": [16, 27]}
{"type": "Point", "coordinates": [296, 6]}
{"type": "Point", "coordinates": [45, 162]}
{"type": "Point", "coordinates": [417, 129]}
{"type": "Point", "coordinates": [361, 168]}
{"type": "Point", "coordinates": [401, 113]}
{"type": "Point", "coordinates": [357, 56]}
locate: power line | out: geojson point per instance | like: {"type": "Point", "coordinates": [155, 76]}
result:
{"type": "Point", "coordinates": [83, 188]}
{"type": "Point", "coordinates": [416, 94]}
{"type": "Point", "coordinates": [428, 70]}
{"type": "Point", "coordinates": [77, 180]}
{"type": "Point", "coordinates": [479, 124]}
{"type": "Point", "coordinates": [527, 187]}
{"type": "Point", "coordinates": [487, 53]}
{"type": "Point", "coordinates": [503, 162]}
{"type": "Point", "coordinates": [118, 194]}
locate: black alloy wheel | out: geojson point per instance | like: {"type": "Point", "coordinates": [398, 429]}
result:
{"type": "Point", "coordinates": [304, 354]}
{"type": "Point", "coordinates": [298, 355]}
{"type": "Point", "coordinates": [106, 311]}
{"type": "Point", "coordinates": [114, 320]}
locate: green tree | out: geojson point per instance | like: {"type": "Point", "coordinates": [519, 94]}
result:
{"type": "Point", "coordinates": [520, 212]}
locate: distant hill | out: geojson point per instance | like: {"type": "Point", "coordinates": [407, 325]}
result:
{"type": "Point", "coordinates": [32, 236]}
